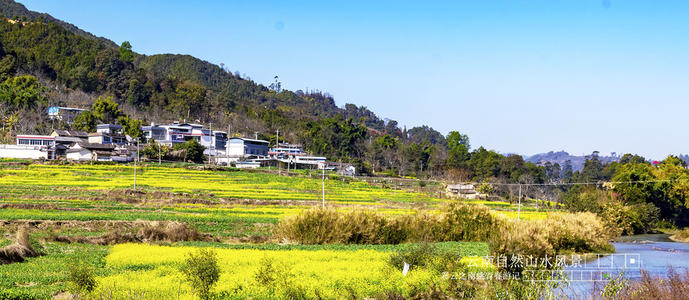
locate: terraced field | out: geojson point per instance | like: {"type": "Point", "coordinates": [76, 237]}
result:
{"type": "Point", "coordinates": [64, 205]}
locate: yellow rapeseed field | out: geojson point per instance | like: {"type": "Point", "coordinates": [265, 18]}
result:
{"type": "Point", "coordinates": [152, 271]}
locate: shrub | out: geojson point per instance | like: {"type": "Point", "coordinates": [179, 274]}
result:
{"type": "Point", "coordinates": [465, 222]}
{"type": "Point", "coordinates": [672, 286]}
{"type": "Point", "coordinates": [559, 233]}
{"type": "Point", "coordinates": [427, 255]}
{"type": "Point", "coordinates": [585, 198]}
{"type": "Point", "coordinates": [82, 278]}
{"type": "Point", "coordinates": [630, 219]}
{"type": "Point", "coordinates": [202, 272]}
{"type": "Point", "coordinates": [316, 226]}
{"type": "Point", "coordinates": [420, 255]}
{"type": "Point", "coordinates": [514, 238]}
{"type": "Point", "coordinates": [279, 278]}
{"type": "Point", "coordinates": [153, 151]}
{"type": "Point", "coordinates": [681, 235]}
{"type": "Point", "coordinates": [578, 232]}
{"type": "Point", "coordinates": [457, 222]}
{"type": "Point", "coordinates": [193, 151]}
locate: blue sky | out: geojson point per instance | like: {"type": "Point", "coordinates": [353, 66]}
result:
{"type": "Point", "coordinates": [516, 76]}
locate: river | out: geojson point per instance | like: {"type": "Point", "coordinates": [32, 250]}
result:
{"type": "Point", "coordinates": [654, 253]}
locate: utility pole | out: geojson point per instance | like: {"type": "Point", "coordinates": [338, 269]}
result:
{"type": "Point", "coordinates": [135, 159]}
{"type": "Point", "coordinates": [323, 185]}
{"type": "Point", "coordinates": [227, 145]}
{"type": "Point", "coordinates": [519, 210]}
{"type": "Point", "coordinates": [160, 153]}
{"type": "Point", "coordinates": [210, 145]}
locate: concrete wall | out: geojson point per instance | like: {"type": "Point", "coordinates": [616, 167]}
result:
{"type": "Point", "coordinates": [82, 155]}
{"type": "Point", "coordinates": [21, 151]}
{"type": "Point", "coordinates": [235, 148]}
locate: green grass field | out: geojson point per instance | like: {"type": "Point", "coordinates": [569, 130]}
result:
{"type": "Point", "coordinates": [233, 206]}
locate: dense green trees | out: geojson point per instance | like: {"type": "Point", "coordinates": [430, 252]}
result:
{"type": "Point", "coordinates": [22, 92]}
{"type": "Point", "coordinates": [666, 186]}
{"type": "Point", "coordinates": [155, 151]}
{"type": "Point", "coordinates": [458, 145]}
{"type": "Point", "coordinates": [632, 193]}
{"type": "Point", "coordinates": [192, 151]}
{"type": "Point", "coordinates": [106, 110]}
{"type": "Point", "coordinates": [336, 138]}
{"type": "Point", "coordinates": [131, 126]}
{"type": "Point", "coordinates": [85, 121]}
{"type": "Point", "coordinates": [126, 53]}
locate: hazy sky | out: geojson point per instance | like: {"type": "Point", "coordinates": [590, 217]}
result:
{"type": "Point", "coordinates": [516, 76]}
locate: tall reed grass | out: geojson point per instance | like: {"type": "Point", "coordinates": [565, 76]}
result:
{"type": "Point", "coordinates": [456, 222]}
{"type": "Point", "coordinates": [557, 234]}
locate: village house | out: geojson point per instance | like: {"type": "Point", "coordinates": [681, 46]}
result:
{"type": "Point", "coordinates": [24, 152]}
{"type": "Point", "coordinates": [108, 134]}
{"type": "Point", "coordinates": [464, 191]}
{"type": "Point", "coordinates": [66, 114]}
{"type": "Point", "coordinates": [31, 146]}
{"type": "Point", "coordinates": [175, 133]}
{"type": "Point", "coordinates": [243, 148]}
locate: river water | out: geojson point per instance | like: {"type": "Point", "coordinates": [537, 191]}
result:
{"type": "Point", "coordinates": [654, 253]}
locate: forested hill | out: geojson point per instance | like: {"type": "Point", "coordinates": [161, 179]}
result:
{"type": "Point", "coordinates": [46, 62]}
{"type": "Point", "coordinates": [14, 10]}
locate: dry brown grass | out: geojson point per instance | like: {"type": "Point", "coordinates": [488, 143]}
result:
{"type": "Point", "coordinates": [557, 234]}
{"type": "Point", "coordinates": [20, 250]}
{"type": "Point", "coordinates": [456, 222]}
{"type": "Point", "coordinates": [681, 235]}
{"type": "Point", "coordinates": [673, 287]}
{"type": "Point", "coordinates": [148, 232]}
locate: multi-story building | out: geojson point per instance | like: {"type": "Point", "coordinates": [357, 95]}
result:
{"type": "Point", "coordinates": [36, 140]}
{"type": "Point", "coordinates": [243, 148]}
{"type": "Point", "coordinates": [108, 134]}
{"type": "Point", "coordinates": [66, 114]}
{"type": "Point", "coordinates": [286, 150]}
{"type": "Point", "coordinates": [175, 133]}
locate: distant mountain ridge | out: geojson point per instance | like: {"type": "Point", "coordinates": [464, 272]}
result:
{"type": "Point", "coordinates": [561, 157]}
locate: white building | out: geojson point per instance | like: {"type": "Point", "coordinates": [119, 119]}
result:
{"type": "Point", "coordinates": [108, 134]}
{"type": "Point", "coordinates": [175, 133]}
{"type": "Point", "coordinates": [101, 152]}
{"type": "Point", "coordinates": [243, 147]}
{"type": "Point", "coordinates": [286, 150]}
{"type": "Point", "coordinates": [25, 152]}
{"type": "Point", "coordinates": [66, 114]}
{"type": "Point", "coordinates": [36, 140]}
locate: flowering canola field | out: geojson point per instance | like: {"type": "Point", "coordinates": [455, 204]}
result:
{"type": "Point", "coordinates": [153, 271]}
{"type": "Point", "coordinates": [229, 205]}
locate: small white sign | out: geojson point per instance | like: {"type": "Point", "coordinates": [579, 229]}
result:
{"type": "Point", "coordinates": [405, 270]}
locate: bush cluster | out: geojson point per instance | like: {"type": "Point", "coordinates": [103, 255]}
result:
{"type": "Point", "coordinates": [558, 234]}
{"type": "Point", "coordinates": [630, 219]}
{"type": "Point", "coordinates": [456, 222]}
{"type": "Point", "coordinates": [202, 272]}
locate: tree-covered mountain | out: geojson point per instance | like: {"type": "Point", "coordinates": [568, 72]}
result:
{"type": "Point", "coordinates": [17, 11]}
{"type": "Point", "coordinates": [46, 62]}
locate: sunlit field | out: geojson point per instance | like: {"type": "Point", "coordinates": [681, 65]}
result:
{"type": "Point", "coordinates": [239, 209]}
